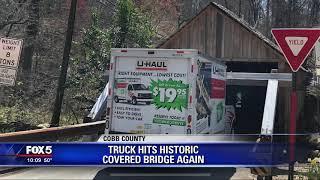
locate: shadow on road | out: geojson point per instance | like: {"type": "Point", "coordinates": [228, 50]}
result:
{"type": "Point", "coordinates": [167, 173]}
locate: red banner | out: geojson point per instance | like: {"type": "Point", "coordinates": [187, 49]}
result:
{"type": "Point", "coordinates": [218, 88]}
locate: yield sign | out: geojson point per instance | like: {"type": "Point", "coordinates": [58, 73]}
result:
{"type": "Point", "coordinates": [296, 44]}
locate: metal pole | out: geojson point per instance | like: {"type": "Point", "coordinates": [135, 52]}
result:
{"type": "Point", "coordinates": [64, 67]}
{"type": "Point", "coordinates": [292, 129]}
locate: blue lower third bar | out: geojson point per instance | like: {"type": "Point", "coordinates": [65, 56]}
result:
{"type": "Point", "coordinates": [143, 155]}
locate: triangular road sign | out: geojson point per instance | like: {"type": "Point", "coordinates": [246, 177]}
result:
{"type": "Point", "coordinates": [296, 44]}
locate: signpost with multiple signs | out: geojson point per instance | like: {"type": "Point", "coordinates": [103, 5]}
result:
{"type": "Point", "coordinates": [10, 50]}
{"type": "Point", "coordinates": [296, 45]}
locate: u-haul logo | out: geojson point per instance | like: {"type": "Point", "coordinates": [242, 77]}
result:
{"type": "Point", "coordinates": [43, 150]}
{"type": "Point", "coordinates": [152, 65]}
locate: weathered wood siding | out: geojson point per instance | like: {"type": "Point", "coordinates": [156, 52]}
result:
{"type": "Point", "coordinates": [216, 34]}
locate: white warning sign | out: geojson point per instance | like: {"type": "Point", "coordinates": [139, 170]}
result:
{"type": "Point", "coordinates": [10, 50]}
{"type": "Point", "coordinates": [296, 44]}
{"type": "Point", "coordinates": [7, 76]}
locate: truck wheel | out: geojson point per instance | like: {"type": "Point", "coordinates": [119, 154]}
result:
{"type": "Point", "coordinates": [134, 101]}
{"type": "Point", "coordinates": [148, 103]}
{"type": "Point", "coordinates": [116, 99]}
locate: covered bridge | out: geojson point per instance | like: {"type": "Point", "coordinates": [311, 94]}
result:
{"type": "Point", "coordinates": [217, 32]}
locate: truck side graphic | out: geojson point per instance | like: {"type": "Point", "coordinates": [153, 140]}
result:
{"type": "Point", "coordinates": [131, 90]}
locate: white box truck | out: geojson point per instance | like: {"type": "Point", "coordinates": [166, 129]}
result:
{"type": "Point", "coordinates": [165, 91]}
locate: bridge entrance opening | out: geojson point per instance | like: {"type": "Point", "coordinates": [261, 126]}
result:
{"type": "Point", "coordinates": [248, 102]}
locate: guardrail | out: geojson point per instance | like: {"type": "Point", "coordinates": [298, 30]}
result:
{"type": "Point", "coordinates": [55, 133]}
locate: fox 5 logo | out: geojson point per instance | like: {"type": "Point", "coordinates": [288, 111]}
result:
{"type": "Point", "coordinates": [38, 149]}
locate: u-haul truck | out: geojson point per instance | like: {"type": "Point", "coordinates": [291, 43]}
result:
{"type": "Point", "coordinates": [165, 91]}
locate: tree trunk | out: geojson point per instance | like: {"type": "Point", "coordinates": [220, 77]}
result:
{"type": "Point", "coordinates": [292, 11]}
{"type": "Point", "coordinates": [226, 4]}
{"type": "Point", "coordinates": [279, 13]}
{"type": "Point", "coordinates": [186, 10]}
{"type": "Point", "coordinates": [239, 12]}
{"type": "Point", "coordinates": [314, 13]}
{"type": "Point", "coordinates": [267, 32]}
{"type": "Point", "coordinates": [64, 67]}
{"type": "Point", "coordinates": [31, 34]}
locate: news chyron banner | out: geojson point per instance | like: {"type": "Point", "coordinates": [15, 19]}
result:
{"type": "Point", "coordinates": [138, 151]}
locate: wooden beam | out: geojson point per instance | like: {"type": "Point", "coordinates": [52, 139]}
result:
{"type": "Point", "coordinates": [265, 60]}
{"type": "Point", "coordinates": [248, 76]}
{"type": "Point", "coordinates": [255, 83]}
{"type": "Point", "coordinates": [55, 133]}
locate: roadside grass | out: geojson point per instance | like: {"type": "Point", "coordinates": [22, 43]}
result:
{"type": "Point", "coordinates": [15, 118]}
{"type": "Point", "coordinates": [313, 169]}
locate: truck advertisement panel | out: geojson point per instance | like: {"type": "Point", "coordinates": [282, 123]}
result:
{"type": "Point", "coordinates": [203, 89]}
{"type": "Point", "coordinates": [150, 95]}
{"type": "Point", "coordinates": [217, 95]}
{"type": "Point", "coordinates": [210, 93]}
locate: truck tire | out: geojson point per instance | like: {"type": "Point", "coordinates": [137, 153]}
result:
{"type": "Point", "coordinates": [116, 99]}
{"type": "Point", "coordinates": [148, 103]}
{"type": "Point", "coordinates": [134, 101]}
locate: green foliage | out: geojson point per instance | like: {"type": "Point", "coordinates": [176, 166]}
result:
{"type": "Point", "coordinates": [130, 27]}
{"type": "Point", "coordinates": [96, 44]}
{"type": "Point", "coordinates": [312, 170]}
{"type": "Point", "coordinates": [87, 67]}
{"type": "Point", "coordinates": [14, 118]}
{"type": "Point", "coordinates": [92, 57]}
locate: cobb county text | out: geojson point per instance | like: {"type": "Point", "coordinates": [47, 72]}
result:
{"type": "Point", "coordinates": [151, 154]}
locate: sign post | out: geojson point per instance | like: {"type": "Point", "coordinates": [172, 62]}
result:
{"type": "Point", "coordinates": [296, 45]}
{"type": "Point", "coordinates": [292, 129]}
{"type": "Point", "coordinates": [317, 56]}
{"type": "Point", "coordinates": [10, 50]}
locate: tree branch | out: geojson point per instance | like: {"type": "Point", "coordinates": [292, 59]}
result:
{"type": "Point", "coordinates": [9, 30]}
{"type": "Point", "coordinates": [13, 22]}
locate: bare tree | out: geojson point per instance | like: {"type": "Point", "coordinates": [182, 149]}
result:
{"type": "Point", "coordinates": [255, 9]}
{"type": "Point", "coordinates": [314, 12]}
{"type": "Point", "coordinates": [12, 12]}
{"type": "Point", "coordinates": [30, 38]}
{"type": "Point", "coordinates": [267, 22]}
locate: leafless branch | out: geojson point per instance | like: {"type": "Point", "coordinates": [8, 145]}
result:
{"type": "Point", "coordinates": [12, 22]}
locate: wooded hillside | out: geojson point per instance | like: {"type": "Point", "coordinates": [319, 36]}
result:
{"type": "Point", "coordinates": [100, 25]}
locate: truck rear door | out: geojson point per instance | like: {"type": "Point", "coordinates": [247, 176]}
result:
{"type": "Point", "coordinates": [157, 101]}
